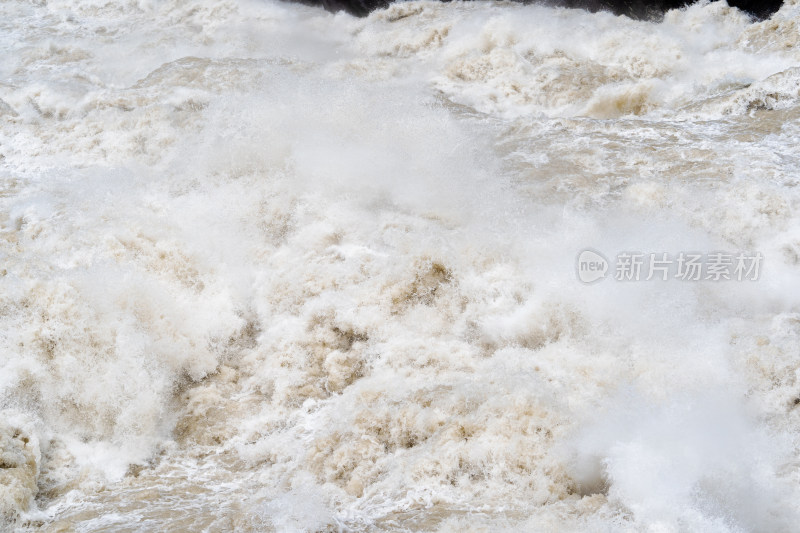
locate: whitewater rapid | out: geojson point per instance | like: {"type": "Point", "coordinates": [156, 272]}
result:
{"type": "Point", "coordinates": [265, 268]}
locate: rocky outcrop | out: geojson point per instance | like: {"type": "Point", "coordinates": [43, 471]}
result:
{"type": "Point", "coordinates": [19, 469]}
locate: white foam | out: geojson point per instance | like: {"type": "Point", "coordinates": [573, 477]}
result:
{"type": "Point", "coordinates": [302, 270]}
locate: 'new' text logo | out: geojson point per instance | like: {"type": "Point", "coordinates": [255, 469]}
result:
{"type": "Point", "coordinates": [592, 266]}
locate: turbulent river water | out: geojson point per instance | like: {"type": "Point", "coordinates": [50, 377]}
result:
{"type": "Point", "coordinates": [265, 268]}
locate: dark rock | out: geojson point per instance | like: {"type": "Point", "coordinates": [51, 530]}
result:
{"type": "Point", "coordinates": [646, 9]}
{"type": "Point", "coordinates": [638, 9]}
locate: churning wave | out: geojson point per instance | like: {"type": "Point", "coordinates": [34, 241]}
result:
{"type": "Point", "coordinates": [266, 268]}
